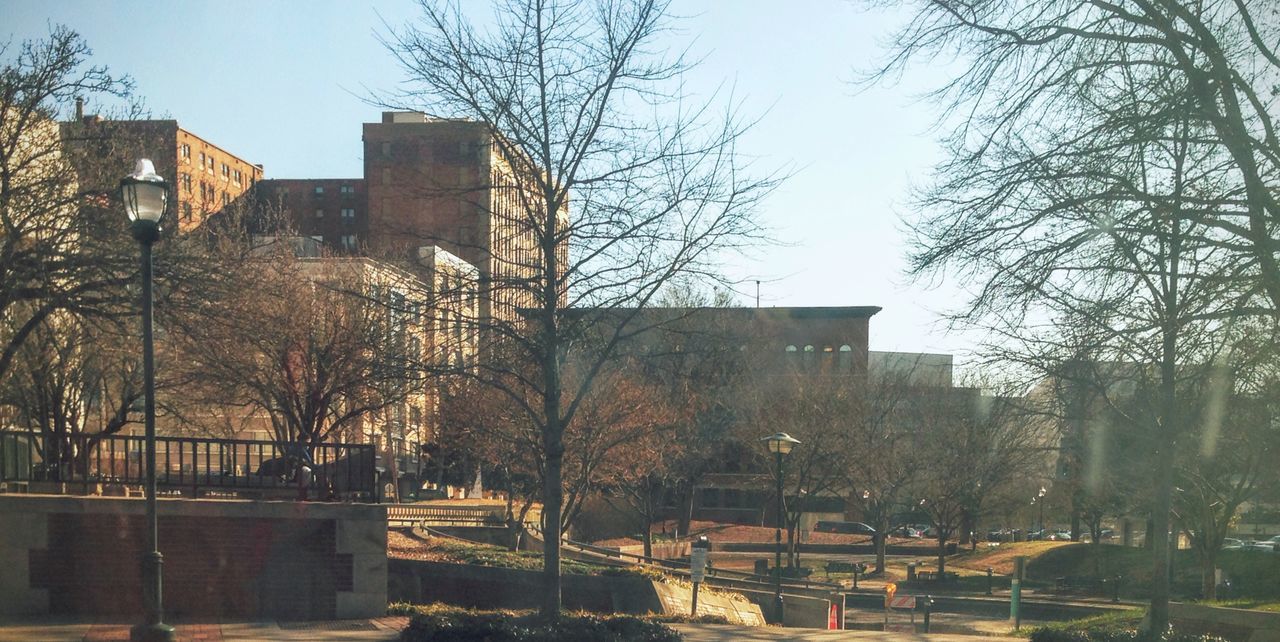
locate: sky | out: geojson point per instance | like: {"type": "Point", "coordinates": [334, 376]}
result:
{"type": "Point", "coordinates": [285, 84]}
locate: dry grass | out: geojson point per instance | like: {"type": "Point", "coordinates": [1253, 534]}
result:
{"type": "Point", "coordinates": [1000, 558]}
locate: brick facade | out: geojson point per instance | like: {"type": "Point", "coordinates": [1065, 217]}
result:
{"type": "Point", "coordinates": [291, 561]}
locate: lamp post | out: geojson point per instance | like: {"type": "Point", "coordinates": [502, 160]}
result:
{"type": "Point", "coordinates": [779, 444]}
{"type": "Point", "coordinates": [1040, 497]}
{"type": "Point", "coordinates": [145, 195]}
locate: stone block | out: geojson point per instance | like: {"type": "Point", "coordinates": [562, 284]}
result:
{"type": "Point", "coordinates": [361, 605]}
{"type": "Point", "coordinates": [361, 536]}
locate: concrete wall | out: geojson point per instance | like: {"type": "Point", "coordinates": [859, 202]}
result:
{"type": "Point", "coordinates": [235, 558]}
{"type": "Point", "coordinates": [1232, 624]}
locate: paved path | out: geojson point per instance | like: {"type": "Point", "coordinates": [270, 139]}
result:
{"type": "Point", "coordinates": [728, 632]}
{"type": "Point", "coordinates": [388, 628]}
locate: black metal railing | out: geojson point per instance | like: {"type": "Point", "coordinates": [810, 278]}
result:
{"type": "Point", "coordinates": [200, 467]}
{"type": "Point", "coordinates": [400, 515]}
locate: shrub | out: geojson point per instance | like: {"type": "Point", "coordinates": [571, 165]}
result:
{"type": "Point", "coordinates": [643, 572]}
{"type": "Point", "coordinates": [1130, 635]}
{"type": "Point", "coordinates": [438, 623]}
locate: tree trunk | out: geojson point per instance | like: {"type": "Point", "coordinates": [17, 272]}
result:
{"type": "Point", "coordinates": [1208, 580]}
{"type": "Point", "coordinates": [791, 545]}
{"type": "Point", "coordinates": [648, 537]}
{"type": "Point", "coordinates": [942, 553]}
{"type": "Point", "coordinates": [1158, 536]}
{"type": "Point", "coordinates": [552, 499]}
{"type": "Point", "coordinates": [686, 513]}
{"type": "Point", "coordinates": [880, 540]}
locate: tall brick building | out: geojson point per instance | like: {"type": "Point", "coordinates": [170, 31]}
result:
{"type": "Point", "coordinates": [333, 212]}
{"type": "Point", "coordinates": [427, 182]}
{"type": "Point", "coordinates": [204, 178]}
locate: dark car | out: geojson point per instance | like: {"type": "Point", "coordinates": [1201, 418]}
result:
{"type": "Point", "coordinates": [846, 528]}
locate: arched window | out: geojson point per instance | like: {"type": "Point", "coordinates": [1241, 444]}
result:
{"type": "Point", "coordinates": [846, 357]}
{"type": "Point", "coordinates": [791, 348]}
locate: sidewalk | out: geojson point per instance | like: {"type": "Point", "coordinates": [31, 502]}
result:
{"type": "Point", "coordinates": [378, 629]}
{"type": "Point", "coordinates": [388, 628]}
{"type": "Point", "coordinates": [730, 633]}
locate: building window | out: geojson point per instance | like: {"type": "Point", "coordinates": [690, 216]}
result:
{"type": "Point", "coordinates": [348, 215]}
{"type": "Point", "coordinates": [319, 213]}
{"type": "Point", "coordinates": [186, 211]}
{"type": "Point", "coordinates": [235, 176]}
{"type": "Point", "coordinates": [211, 164]}
{"type": "Point", "coordinates": [201, 160]}
{"type": "Point", "coordinates": [347, 190]}
{"type": "Point", "coordinates": [185, 151]}
{"type": "Point", "coordinates": [226, 170]}
{"type": "Point", "coordinates": [349, 242]}
{"type": "Point", "coordinates": [226, 199]}
{"type": "Point", "coordinates": [186, 182]}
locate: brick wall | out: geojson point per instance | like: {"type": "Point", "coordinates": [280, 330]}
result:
{"type": "Point", "coordinates": [225, 559]}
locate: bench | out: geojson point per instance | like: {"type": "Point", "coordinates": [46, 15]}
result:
{"type": "Point", "coordinates": [1079, 584]}
{"type": "Point", "coordinates": [844, 567]}
{"type": "Point", "coordinates": [934, 576]}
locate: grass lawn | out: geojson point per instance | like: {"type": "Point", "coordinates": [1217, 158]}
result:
{"type": "Point", "coordinates": [1108, 622]}
{"type": "Point", "coordinates": [405, 545]}
{"type": "Point", "coordinates": [1254, 575]}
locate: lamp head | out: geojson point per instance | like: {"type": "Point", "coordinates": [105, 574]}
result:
{"type": "Point", "coordinates": [145, 195]}
{"type": "Point", "coordinates": [780, 443]}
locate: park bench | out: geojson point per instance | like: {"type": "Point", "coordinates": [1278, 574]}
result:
{"type": "Point", "coordinates": [844, 567]}
{"type": "Point", "coordinates": [934, 576]}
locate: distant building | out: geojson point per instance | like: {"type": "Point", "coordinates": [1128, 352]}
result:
{"type": "Point", "coordinates": [332, 212]}
{"type": "Point", "coordinates": [912, 368]}
{"type": "Point", "coordinates": [448, 183]}
{"type": "Point", "coordinates": [204, 178]}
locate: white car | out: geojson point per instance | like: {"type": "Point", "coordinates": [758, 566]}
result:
{"type": "Point", "coordinates": [1232, 544]}
{"type": "Point", "coordinates": [1271, 545]}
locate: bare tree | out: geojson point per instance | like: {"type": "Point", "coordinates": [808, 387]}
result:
{"type": "Point", "coordinates": [1107, 161]}
{"type": "Point", "coordinates": [72, 384]}
{"type": "Point", "coordinates": [883, 456]}
{"type": "Point", "coordinates": [617, 185]}
{"type": "Point", "coordinates": [1230, 455]}
{"type": "Point", "coordinates": [973, 444]}
{"type": "Point", "coordinates": [62, 247]}
{"type": "Point", "coordinates": [317, 352]}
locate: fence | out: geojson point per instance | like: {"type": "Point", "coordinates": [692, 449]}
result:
{"type": "Point", "coordinates": [190, 465]}
{"type": "Point", "coordinates": [402, 515]}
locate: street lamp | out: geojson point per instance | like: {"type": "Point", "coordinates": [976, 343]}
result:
{"type": "Point", "coordinates": [145, 195]}
{"type": "Point", "coordinates": [779, 444]}
{"type": "Point", "coordinates": [1040, 497]}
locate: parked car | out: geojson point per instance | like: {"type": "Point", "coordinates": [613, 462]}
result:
{"type": "Point", "coordinates": [1004, 535]}
{"type": "Point", "coordinates": [847, 528]}
{"type": "Point", "coordinates": [1060, 535]}
{"type": "Point", "coordinates": [1232, 544]}
{"type": "Point", "coordinates": [908, 531]}
{"type": "Point", "coordinates": [1271, 545]}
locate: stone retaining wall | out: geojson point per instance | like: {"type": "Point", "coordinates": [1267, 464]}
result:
{"type": "Point", "coordinates": [225, 558]}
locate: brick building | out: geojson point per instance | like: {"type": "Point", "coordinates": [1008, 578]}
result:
{"type": "Point", "coordinates": [203, 177]}
{"type": "Point", "coordinates": [333, 212]}
{"type": "Point", "coordinates": [447, 183]}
